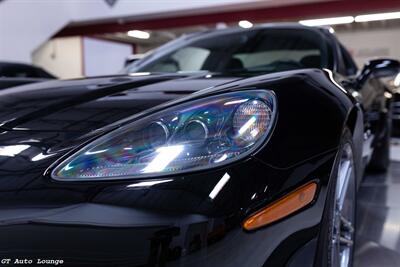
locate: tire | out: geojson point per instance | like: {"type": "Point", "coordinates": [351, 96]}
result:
{"type": "Point", "coordinates": [380, 159]}
{"type": "Point", "coordinates": [338, 234]}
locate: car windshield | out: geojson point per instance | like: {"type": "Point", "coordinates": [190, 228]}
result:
{"type": "Point", "coordinates": [252, 51]}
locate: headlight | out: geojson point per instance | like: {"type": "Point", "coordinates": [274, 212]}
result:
{"type": "Point", "coordinates": [195, 135]}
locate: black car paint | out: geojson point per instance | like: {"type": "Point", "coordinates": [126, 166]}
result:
{"type": "Point", "coordinates": [396, 115]}
{"type": "Point", "coordinates": [21, 70]}
{"type": "Point", "coordinates": [37, 204]}
{"type": "Point", "coordinates": [175, 223]}
{"type": "Point", "coordinates": [12, 82]}
{"type": "Point", "coordinates": [383, 68]}
{"type": "Point", "coordinates": [16, 74]}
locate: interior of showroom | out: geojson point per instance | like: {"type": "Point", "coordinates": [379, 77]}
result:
{"type": "Point", "coordinates": [74, 40]}
{"type": "Point", "coordinates": [67, 40]}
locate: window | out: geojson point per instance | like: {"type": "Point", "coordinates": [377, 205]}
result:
{"type": "Point", "coordinates": [185, 59]}
{"type": "Point", "coordinates": [17, 71]}
{"type": "Point", "coordinates": [265, 51]}
{"type": "Point", "coordinates": [251, 60]}
{"type": "Point", "coordinates": [350, 66]}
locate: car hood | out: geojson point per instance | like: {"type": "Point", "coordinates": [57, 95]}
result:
{"type": "Point", "coordinates": [6, 82]}
{"type": "Point", "coordinates": [129, 222]}
{"type": "Point", "coordinates": [84, 105]}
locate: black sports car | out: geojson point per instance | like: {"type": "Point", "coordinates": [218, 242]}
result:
{"type": "Point", "coordinates": [396, 113]}
{"type": "Point", "coordinates": [224, 148]}
{"type": "Point", "coordinates": [14, 74]}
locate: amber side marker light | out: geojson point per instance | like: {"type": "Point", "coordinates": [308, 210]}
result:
{"type": "Point", "coordinates": [283, 207]}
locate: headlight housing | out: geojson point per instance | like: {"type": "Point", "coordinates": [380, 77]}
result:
{"type": "Point", "coordinates": [198, 134]}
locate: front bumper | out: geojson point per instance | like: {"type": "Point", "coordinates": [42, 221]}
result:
{"type": "Point", "coordinates": [175, 223]}
{"type": "Point", "coordinates": [199, 241]}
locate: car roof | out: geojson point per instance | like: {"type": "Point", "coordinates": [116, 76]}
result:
{"type": "Point", "coordinates": [280, 25]}
{"type": "Point", "coordinates": [9, 64]}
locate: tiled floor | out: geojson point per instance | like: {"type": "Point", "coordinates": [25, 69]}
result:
{"type": "Point", "coordinates": [378, 218]}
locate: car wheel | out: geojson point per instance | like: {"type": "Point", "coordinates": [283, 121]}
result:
{"type": "Point", "coordinates": [338, 226]}
{"type": "Point", "coordinates": [380, 159]}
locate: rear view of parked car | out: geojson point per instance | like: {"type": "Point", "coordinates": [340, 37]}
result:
{"type": "Point", "coordinates": [14, 74]}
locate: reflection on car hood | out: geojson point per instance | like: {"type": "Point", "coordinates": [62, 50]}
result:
{"type": "Point", "coordinates": [87, 104]}
{"type": "Point", "coordinates": [6, 82]}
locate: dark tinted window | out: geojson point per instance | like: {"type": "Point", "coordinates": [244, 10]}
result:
{"type": "Point", "coordinates": [350, 66]}
{"type": "Point", "coordinates": [266, 51]}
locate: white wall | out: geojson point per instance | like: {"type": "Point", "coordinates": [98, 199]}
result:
{"type": "Point", "coordinates": [27, 24]}
{"type": "Point", "coordinates": [368, 44]}
{"type": "Point", "coordinates": [61, 57]}
{"type": "Point", "coordinates": [88, 10]}
{"type": "Point", "coordinates": [73, 57]}
{"type": "Point", "coordinates": [102, 57]}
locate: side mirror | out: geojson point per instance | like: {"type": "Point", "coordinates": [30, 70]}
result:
{"type": "Point", "coordinates": [378, 68]}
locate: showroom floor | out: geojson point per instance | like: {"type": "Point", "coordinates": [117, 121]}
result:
{"type": "Point", "coordinates": [378, 218]}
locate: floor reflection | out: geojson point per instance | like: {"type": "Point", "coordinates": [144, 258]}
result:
{"type": "Point", "coordinates": [378, 219]}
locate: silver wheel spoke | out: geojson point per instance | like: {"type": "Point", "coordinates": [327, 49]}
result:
{"type": "Point", "coordinates": [343, 219]}
{"type": "Point", "coordinates": [346, 225]}
{"type": "Point", "coordinates": [346, 241]}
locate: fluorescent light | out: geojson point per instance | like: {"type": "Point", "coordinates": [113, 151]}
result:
{"type": "Point", "coordinates": [221, 183]}
{"type": "Point", "coordinates": [235, 102]}
{"type": "Point", "coordinates": [165, 156]}
{"type": "Point", "coordinates": [67, 167]}
{"type": "Point", "coordinates": [221, 25]}
{"type": "Point", "coordinates": [254, 132]}
{"type": "Point", "coordinates": [379, 16]}
{"type": "Point", "coordinates": [139, 74]}
{"type": "Point", "coordinates": [247, 125]}
{"type": "Point", "coordinates": [41, 156]}
{"type": "Point", "coordinates": [245, 24]}
{"type": "Point", "coordinates": [12, 151]}
{"type": "Point", "coordinates": [139, 34]}
{"type": "Point", "coordinates": [327, 21]}
{"type": "Point", "coordinates": [96, 152]}
{"type": "Point", "coordinates": [149, 183]}
{"type": "Point", "coordinates": [222, 158]}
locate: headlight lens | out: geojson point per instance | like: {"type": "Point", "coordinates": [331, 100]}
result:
{"type": "Point", "coordinates": [195, 135]}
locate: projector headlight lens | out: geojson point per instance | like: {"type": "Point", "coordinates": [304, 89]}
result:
{"type": "Point", "coordinates": [195, 135]}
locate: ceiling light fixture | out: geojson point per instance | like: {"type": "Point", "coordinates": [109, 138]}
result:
{"type": "Point", "coordinates": [139, 34]}
{"type": "Point", "coordinates": [221, 183]}
{"type": "Point", "coordinates": [149, 183]}
{"type": "Point", "coordinates": [327, 21]}
{"type": "Point", "coordinates": [378, 16]}
{"type": "Point", "coordinates": [245, 24]}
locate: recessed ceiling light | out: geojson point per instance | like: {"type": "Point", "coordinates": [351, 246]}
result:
{"type": "Point", "coordinates": [139, 34]}
{"type": "Point", "coordinates": [327, 21]}
{"type": "Point", "coordinates": [245, 24]}
{"type": "Point", "coordinates": [379, 16]}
